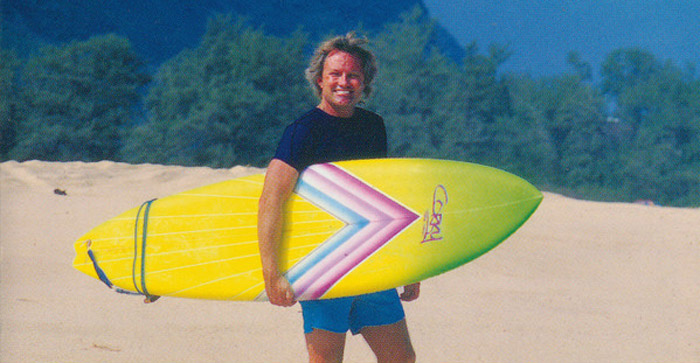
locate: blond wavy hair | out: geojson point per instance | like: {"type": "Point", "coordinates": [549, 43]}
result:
{"type": "Point", "coordinates": [348, 43]}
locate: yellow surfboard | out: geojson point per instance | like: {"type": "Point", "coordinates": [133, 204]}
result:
{"type": "Point", "coordinates": [352, 227]}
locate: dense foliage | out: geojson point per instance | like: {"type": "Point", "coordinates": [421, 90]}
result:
{"type": "Point", "coordinates": [76, 101]}
{"type": "Point", "coordinates": [225, 102]}
{"type": "Point", "coordinates": [634, 134]}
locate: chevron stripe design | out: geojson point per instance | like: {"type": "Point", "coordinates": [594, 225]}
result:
{"type": "Point", "coordinates": [372, 219]}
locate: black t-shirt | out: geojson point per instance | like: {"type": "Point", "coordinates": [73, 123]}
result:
{"type": "Point", "coordinates": [317, 137]}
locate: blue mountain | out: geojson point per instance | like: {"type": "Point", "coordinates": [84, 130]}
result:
{"type": "Point", "coordinates": [159, 29]}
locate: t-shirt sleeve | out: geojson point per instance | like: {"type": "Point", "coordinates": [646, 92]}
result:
{"type": "Point", "coordinates": [291, 147]}
{"type": "Point", "coordinates": [383, 143]}
{"type": "Point", "coordinates": [377, 138]}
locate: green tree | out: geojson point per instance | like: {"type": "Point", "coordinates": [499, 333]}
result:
{"type": "Point", "coordinates": [411, 86]}
{"type": "Point", "coordinates": [77, 98]}
{"type": "Point", "coordinates": [480, 103]}
{"type": "Point", "coordinates": [9, 102]}
{"type": "Point", "coordinates": [225, 102]}
{"type": "Point", "coordinates": [562, 132]}
{"type": "Point", "coordinates": [574, 120]}
{"type": "Point", "coordinates": [660, 102]}
{"type": "Point", "coordinates": [525, 145]}
{"type": "Point", "coordinates": [433, 106]}
{"type": "Point", "coordinates": [581, 68]}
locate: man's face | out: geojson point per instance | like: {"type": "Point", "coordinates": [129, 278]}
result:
{"type": "Point", "coordinates": [342, 83]}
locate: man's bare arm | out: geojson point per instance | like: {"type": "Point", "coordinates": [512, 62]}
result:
{"type": "Point", "coordinates": [280, 181]}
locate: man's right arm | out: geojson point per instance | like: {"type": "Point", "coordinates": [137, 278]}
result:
{"type": "Point", "coordinates": [280, 181]}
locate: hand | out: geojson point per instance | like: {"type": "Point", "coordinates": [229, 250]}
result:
{"type": "Point", "coordinates": [410, 292]}
{"type": "Point", "coordinates": [279, 291]}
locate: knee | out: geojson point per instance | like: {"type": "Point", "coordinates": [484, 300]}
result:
{"type": "Point", "coordinates": [407, 355]}
{"type": "Point", "coordinates": [327, 349]}
{"type": "Point", "coordinates": [325, 356]}
{"type": "Point", "coordinates": [325, 346]}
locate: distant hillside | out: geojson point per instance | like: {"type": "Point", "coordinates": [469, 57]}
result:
{"type": "Point", "coordinates": [159, 29]}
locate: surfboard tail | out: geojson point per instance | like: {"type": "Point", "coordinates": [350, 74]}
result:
{"type": "Point", "coordinates": [81, 261]}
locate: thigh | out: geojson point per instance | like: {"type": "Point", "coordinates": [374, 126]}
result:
{"type": "Point", "coordinates": [331, 315]}
{"type": "Point", "coordinates": [390, 343]}
{"type": "Point", "coordinates": [375, 309]}
{"type": "Point", "coordinates": [325, 346]}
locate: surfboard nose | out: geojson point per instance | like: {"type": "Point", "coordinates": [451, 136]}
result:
{"type": "Point", "coordinates": [527, 189]}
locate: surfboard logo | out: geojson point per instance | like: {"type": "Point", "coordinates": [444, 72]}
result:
{"type": "Point", "coordinates": [432, 219]}
{"type": "Point", "coordinates": [372, 219]}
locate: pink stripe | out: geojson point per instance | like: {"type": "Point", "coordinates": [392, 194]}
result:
{"type": "Point", "coordinates": [360, 189]}
{"type": "Point", "coordinates": [387, 218]}
{"type": "Point", "coordinates": [350, 198]}
{"type": "Point", "coordinates": [326, 271]}
{"type": "Point", "coordinates": [353, 259]}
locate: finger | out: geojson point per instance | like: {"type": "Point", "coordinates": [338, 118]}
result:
{"type": "Point", "coordinates": [410, 293]}
{"type": "Point", "coordinates": [284, 298]}
{"type": "Point", "coordinates": [289, 295]}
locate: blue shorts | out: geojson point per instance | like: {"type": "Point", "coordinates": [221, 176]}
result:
{"type": "Point", "coordinates": [352, 313]}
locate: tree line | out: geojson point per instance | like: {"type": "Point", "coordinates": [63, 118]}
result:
{"type": "Point", "coordinates": [632, 134]}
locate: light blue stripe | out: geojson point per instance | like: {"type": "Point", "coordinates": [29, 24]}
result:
{"type": "Point", "coordinates": [322, 251]}
{"type": "Point", "coordinates": [354, 223]}
{"type": "Point", "coordinates": [328, 203]}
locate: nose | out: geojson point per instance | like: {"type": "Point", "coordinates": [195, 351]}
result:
{"type": "Point", "coordinates": [343, 80]}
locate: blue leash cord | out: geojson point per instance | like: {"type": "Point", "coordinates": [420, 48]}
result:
{"type": "Point", "coordinates": [103, 277]}
{"type": "Point", "coordinates": [101, 274]}
{"type": "Point", "coordinates": [146, 208]}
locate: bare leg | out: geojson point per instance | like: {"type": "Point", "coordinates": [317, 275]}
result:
{"type": "Point", "coordinates": [325, 346]}
{"type": "Point", "coordinates": [390, 343]}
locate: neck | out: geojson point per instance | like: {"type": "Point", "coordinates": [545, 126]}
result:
{"type": "Point", "coordinates": [337, 112]}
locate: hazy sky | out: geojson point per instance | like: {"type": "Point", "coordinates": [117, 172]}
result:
{"type": "Point", "coordinates": [542, 32]}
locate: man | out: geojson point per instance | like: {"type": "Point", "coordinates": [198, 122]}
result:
{"type": "Point", "coordinates": [340, 73]}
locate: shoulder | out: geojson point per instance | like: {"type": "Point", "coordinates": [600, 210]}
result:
{"type": "Point", "coordinates": [302, 126]}
{"type": "Point", "coordinates": [310, 118]}
{"type": "Point", "coordinates": [370, 120]}
{"type": "Point", "coordinates": [368, 115]}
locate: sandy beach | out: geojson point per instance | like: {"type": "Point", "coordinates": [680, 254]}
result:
{"type": "Point", "coordinates": [580, 282]}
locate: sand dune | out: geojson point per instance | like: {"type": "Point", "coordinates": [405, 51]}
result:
{"type": "Point", "coordinates": [580, 282]}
